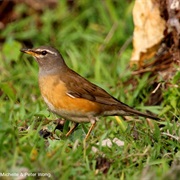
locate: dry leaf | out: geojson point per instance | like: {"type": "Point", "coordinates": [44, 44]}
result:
{"type": "Point", "coordinates": [148, 32]}
{"type": "Point", "coordinates": [108, 143]}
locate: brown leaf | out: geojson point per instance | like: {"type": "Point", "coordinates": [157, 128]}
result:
{"type": "Point", "coordinates": [148, 32]}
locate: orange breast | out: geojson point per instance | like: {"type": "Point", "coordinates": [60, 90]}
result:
{"type": "Point", "coordinates": [54, 92]}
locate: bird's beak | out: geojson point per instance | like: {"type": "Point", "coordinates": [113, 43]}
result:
{"type": "Point", "coordinates": [28, 51]}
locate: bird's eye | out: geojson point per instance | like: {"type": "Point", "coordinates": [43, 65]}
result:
{"type": "Point", "coordinates": [44, 53]}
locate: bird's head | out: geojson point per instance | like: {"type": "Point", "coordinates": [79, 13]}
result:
{"type": "Point", "coordinates": [48, 58]}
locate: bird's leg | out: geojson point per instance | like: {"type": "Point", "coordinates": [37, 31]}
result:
{"type": "Point", "coordinates": [72, 129]}
{"type": "Point", "coordinates": [93, 123]}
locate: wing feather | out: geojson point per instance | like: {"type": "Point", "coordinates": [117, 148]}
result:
{"type": "Point", "coordinates": [79, 87]}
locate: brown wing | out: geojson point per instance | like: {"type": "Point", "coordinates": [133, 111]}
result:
{"type": "Point", "coordinates": [79, 87]}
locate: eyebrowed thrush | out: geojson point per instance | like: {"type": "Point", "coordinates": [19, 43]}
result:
{"type": "Point", "coordinates": [71, 96]}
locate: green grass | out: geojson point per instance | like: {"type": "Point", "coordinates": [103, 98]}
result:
{"type": "Point", "coordinates": [89, 36]}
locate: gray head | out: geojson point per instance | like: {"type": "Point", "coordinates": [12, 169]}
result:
{"type": "Point", "coordinates": [48, 58]}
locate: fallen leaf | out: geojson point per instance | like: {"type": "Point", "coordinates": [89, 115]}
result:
{"type": "Point", "coordinates": [148, 31]}
{"type": "Point", "coordinates": [108, 143]}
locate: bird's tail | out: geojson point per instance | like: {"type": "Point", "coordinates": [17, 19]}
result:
{"type": "Point", "coordinates": [133, 112]}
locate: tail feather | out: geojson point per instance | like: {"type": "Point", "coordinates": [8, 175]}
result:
{"type": "Point", "coordinates": [132, 112]}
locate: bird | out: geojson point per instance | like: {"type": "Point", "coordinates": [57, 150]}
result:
{"type": "Point", "coordinates": [71, 96]}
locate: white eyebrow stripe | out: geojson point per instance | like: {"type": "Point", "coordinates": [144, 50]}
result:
{"type": "Point", "coordinates": [51, 52]}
